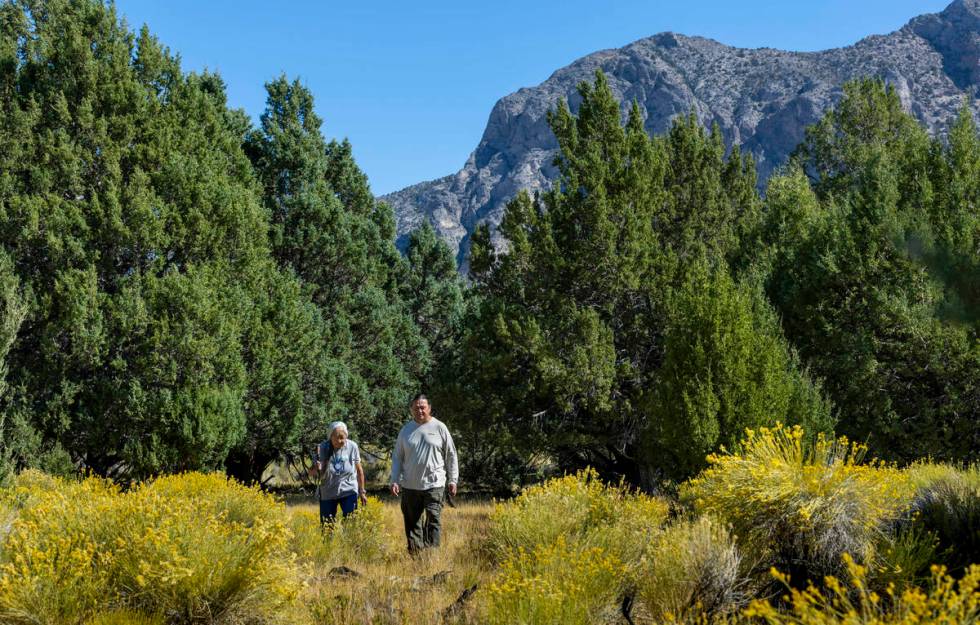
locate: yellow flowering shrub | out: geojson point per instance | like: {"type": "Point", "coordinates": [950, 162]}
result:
{"type": "Point", "coordinates": [636, 522]}
{"type": "Point", "coordinates": [218, 494]}
{"type": "Point", "coordinates": [51, 567]}
{"type": "Point", "coordinates": [693, 568]}
{"type": "Point", "coordinates": [574, 505]}
{"type": "Point", "coordinates": [801, 505]}
{"type": "Point", "coordinates": [569, 549]}
{"type": "Point", "coordinates": [78, 548]}
{"type": "Point", "coordinates": [946, 600]}
{"type": "Point", "coordinates": [560, 584]}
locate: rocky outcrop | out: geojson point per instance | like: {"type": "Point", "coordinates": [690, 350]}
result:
{"type": "Point", "coordinates": [762, 99]}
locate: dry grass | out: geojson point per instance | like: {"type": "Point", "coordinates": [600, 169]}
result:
{"type": "Point", "coordinates": [399, 589]}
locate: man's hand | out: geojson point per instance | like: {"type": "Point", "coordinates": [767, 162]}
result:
{"type": "Point", "coordinates": [363, 498]}
{"type": "Point", "coordinates": [394, 489]}
{"type": "Point", "coordinates": [452, 490]}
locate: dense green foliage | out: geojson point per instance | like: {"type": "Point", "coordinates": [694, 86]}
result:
{"type": "Point", "coordinates": [653, 304]}
{"type": "Point", "coordinates": [434, 291]}
{"type": "Point", "coordinates": [725, 369]}
{"type": "Point", "coordinates": [180, 289]}
{"type": "Point", "coordinates": [129, 214]}
{"type": "Point", "coordinates": [873, 272]}
{"type": "Point", "coordinates": [327, 229]}
{"type": "Point", "coordinates": [615, 330]}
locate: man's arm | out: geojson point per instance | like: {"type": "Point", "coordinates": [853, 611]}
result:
{"type": "Point", "coordinates": [452, 463]}
{"type": "Point", "coordinates": [397, 457]}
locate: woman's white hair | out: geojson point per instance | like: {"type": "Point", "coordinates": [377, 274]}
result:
{"type": "Point", "coordinates": [338, 425]}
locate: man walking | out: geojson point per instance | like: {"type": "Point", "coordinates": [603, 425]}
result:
{"type": "Point", "coordinates": [423, 468]}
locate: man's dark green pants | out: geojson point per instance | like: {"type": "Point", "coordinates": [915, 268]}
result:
{"type": "Point", "coordinates": [422, 532]}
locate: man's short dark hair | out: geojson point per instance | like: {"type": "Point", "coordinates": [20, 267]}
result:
{"type": "Point", "coordinates": [419, 397]}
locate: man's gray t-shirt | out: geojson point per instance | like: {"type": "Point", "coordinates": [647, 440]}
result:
{"type": "Point", "coordinates": [424, 456]}
{"type": "Point", "coordinates": [339, 472]}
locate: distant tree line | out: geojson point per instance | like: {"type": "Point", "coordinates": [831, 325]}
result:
{"type": "Point", "coordinates": [180, 289]}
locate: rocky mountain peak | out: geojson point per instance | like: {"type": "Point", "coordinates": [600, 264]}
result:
{"type": "Point", "coordinates": [762, 99]}
{"type": "Point", "coordinates": [955, 34]}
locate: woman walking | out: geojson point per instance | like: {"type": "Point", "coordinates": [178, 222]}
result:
{"type": "Point", "coordinates": [341, 477]}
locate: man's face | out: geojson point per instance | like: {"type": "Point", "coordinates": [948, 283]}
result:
{"type": "Point", "coordinates": [420, 409]}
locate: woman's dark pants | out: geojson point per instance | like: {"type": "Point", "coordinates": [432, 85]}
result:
{"type": "Point", "coordinates": [422, 533]}
{"type": "Point", "coordinates": [328, 507]}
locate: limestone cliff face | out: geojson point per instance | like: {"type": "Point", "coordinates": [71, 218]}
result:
{"type": "Point", "coordinates": [762, 99]}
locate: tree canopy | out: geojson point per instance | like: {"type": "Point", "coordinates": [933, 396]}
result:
{"type": "Point", "coordinates": [182, 289]}
{"type": "Point", "coordinates": [614, 326]}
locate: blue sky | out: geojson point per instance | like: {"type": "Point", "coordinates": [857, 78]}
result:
{"type": "Point", "coordinates": [411, 84]}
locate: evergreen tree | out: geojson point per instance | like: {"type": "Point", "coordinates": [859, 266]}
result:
{"type": "Point", "coordinates": [726, 368]}
{"type": "Point", "coordinates": [294, 383]}
{"type": "Point", "coordinates": [574, 322]}
{"type": "Point", "coordinates": [131, 218]}
{"type": "Point", "coordinates": [12, 314]}
{"type": "Point", "coordinates": [955, 175]}
{"type": "Point", "coordinates": [855, 279]}
{"type": "Point", "coordinates": [433, 290]}
{"type": "Point", "coordinates": [327, 228]}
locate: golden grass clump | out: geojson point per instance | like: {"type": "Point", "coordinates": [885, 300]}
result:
{"type": "Point", "coordinates": [126, 617]}
{"type": "Point", "coordinates": [561, 583]}
{"type": "Point", "coordinates": [946, 600]}
{"type": "Point", "coordinates": [802, 505]}
{"type": "Point", "coordinates": [170, 547]}
{"type": "Point", "coordinates": [693, 569]}
{"type": "Point", "coordinates": [549, 538]}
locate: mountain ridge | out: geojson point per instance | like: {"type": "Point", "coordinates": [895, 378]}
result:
{"type": "Point", "coordinates": [761, 98]}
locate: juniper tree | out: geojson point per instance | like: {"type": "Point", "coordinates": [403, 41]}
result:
{"type": "Point", "coordinates": [132, 220]}
{"type": "Point", "coordinates": [327, 228]}
{"type": "Point", "coordinates": [727, 367]}
{"type": "Point", "coordinates": [433, 290]}
{"type": "Point", "coordinates": [575, 320]}
{"type": "Point", "coordinates": [863, 285]}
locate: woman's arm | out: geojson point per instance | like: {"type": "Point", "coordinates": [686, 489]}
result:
{"type": "Point", "coordinates": [361, 491]}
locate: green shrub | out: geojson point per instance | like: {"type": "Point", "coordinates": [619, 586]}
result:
{"type": "Point", "coordinates": [694, 568]}
{"type": "Point", "coordinates": [801, 506]}
{"type": "Point", "coordinates": [906, 558]}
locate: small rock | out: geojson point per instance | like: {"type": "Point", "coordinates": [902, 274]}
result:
{"type": "Point", "coordinates": [343, 571]}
